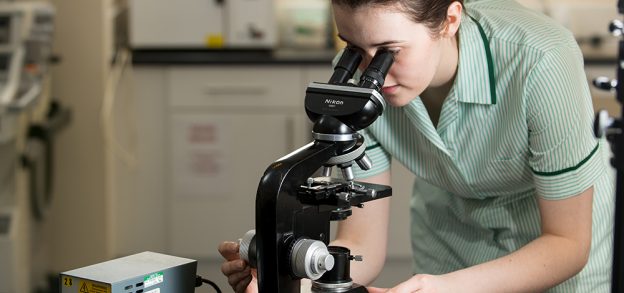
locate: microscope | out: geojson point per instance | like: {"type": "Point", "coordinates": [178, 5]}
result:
{"type": "Point", "coordinates": [294, 209]}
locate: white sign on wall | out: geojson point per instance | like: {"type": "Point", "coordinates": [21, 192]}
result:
{"type": "Point", "coordinates": [199, 157]}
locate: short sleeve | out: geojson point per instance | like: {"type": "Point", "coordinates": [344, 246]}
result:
{"type": "Point", "coordinates": [564, 154]}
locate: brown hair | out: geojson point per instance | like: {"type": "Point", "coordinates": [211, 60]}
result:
{"type": "Point", "coordinates": [431, 13]}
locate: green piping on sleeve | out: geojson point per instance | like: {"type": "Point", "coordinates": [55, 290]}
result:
{"type": "Point", "coordinates": [555, 173]}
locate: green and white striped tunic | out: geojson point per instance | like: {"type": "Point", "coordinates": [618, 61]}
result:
{"type": "Point", "coordinates": [516, 125]}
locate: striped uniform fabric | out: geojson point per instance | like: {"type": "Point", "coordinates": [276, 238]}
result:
{"type": "Point", "coordinates": [516, 125]}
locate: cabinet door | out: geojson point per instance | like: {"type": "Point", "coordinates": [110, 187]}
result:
{"type": "Point", "coordinates": [216, 162]}
{"type": "Point", "coordinates": [251, 23]}
{"type": "Point", "coordinates": [248, 87]}
{"type": "Point", "coordinates": [185, 23]}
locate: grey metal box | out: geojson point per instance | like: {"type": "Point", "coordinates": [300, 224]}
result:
{"type": "Point", "coordinates": [145, 272]}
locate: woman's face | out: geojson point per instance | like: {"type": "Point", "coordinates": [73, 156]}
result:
{"type": "Point", "coordinates": [417, 53]}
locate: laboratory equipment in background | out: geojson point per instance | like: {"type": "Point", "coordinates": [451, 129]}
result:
{"type": "Point", "coordinates": [305, 25]}
{"type": "Point", "coordinates": [28, 120]}
{"type": "Point", "coordinates": [142, 272]}
{"type": "Point", "coordinates": [611, 128]}
{"type": "Point", "coordinates": [200, 24]}
{"type": "Point", "coordinates": [586, 20]}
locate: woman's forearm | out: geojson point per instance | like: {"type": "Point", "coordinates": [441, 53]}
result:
{"type": "Point", "coordinates": [541, 264]}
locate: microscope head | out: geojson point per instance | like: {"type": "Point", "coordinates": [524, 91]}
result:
{"type": "Point", "coordinates": [339, 108]}
{"type": "Point", "coordinates": [342, 108]}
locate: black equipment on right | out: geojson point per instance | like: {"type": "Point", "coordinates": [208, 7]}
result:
{"type": "Point", "coordinates": [613, 128]}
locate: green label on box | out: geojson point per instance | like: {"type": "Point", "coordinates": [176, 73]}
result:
{"type": "Point", "coordinates": [153, 279]}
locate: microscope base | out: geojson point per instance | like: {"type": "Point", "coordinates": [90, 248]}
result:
{"type": "Point", "coordinates": [355, 288]}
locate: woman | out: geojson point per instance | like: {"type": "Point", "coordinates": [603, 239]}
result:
{"type": "Point", "coordinates": [490, 109]}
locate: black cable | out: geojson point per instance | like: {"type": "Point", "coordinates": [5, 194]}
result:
{"type": "Point", "coordinates": [200, 281]}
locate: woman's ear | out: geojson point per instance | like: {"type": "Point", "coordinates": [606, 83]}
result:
{"type": "Point", "coordinates": [453, 19]}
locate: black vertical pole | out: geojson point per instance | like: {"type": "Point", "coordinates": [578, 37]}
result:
{"type": "Point", "coordinates": [617, 281]}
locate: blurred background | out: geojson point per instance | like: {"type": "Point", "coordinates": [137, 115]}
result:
{"type": "Point", "coordinates": [134, 125]}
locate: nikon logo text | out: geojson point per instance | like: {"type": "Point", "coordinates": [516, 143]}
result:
{"type": "Point", "coordinates": [334, 102]}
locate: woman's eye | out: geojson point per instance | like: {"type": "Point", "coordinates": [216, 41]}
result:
{"type": "Point", "coordinates": [394, 51]}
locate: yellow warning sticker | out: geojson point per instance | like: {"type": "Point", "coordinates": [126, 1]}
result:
{"type": "Point", "coordinates": [67, 281]}
{"type": "Point", "coordinates": [93, 287]}
{"type": "Point", "coordinates": [214, 41]}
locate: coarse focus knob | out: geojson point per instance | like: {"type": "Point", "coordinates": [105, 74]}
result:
{"type": "Point", "coordinates": [247, 248]}
{"type": "Point", "coordinates": [310, 259]}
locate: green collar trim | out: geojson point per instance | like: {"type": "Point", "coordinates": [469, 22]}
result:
{"type": "Point", "coordinates": [555, 173]}
{"type": "Point", "coordinates": [490, 60]}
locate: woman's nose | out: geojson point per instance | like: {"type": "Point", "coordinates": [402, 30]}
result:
{"type": "Point", "coordinates": [366, 59]}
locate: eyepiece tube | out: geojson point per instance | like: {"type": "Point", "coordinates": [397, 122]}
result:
{"type": "Point", "coordinates": [375, 74]}
{"type": "Point", "coordinates": [346, 66]}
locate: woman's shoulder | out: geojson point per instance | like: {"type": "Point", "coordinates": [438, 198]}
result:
{"type": "Point", "coordinates": [508, 22]}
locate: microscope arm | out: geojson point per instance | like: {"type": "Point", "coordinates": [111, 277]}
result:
{"type": "Point", "coordinates": [277, 192]}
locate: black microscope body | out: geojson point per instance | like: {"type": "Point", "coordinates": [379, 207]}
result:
{"type": "Point", "coordinates": [294, 210]}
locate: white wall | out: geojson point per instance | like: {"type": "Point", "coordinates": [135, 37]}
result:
{"type": "Point", "coordinates": [77, 224]}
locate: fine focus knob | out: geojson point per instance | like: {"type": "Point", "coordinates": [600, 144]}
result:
{"type": "Point", "coordinates": [310, 259]}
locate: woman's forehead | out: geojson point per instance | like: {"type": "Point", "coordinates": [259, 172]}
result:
{"type": "Point", "coordinates": [371, 8]}
{"type": "Point", "coordinates": [375, 25]}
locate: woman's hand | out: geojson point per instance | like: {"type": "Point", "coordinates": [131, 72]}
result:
{"type": "Point", "coordinates": [240, 275]}
{"type": "Point", "coordinates": [419, 283]}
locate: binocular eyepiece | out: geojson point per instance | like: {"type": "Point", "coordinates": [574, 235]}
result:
{"type": "Point", "coordinates": [374, 75]}
{"type": "Point", "coordinates": [338, 107]}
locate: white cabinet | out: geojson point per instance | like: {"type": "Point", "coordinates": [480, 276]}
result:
{"type": "Point", "coordinates": [217, 159]}
{"type": "Point", "coordinates": [226, 126]}
{"type": "Point", "coordinates": [260, 87]}
{"type": "Point", "coordinates": [205, 135]}
{"type": "Point", "coordinates": [202, 23]}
